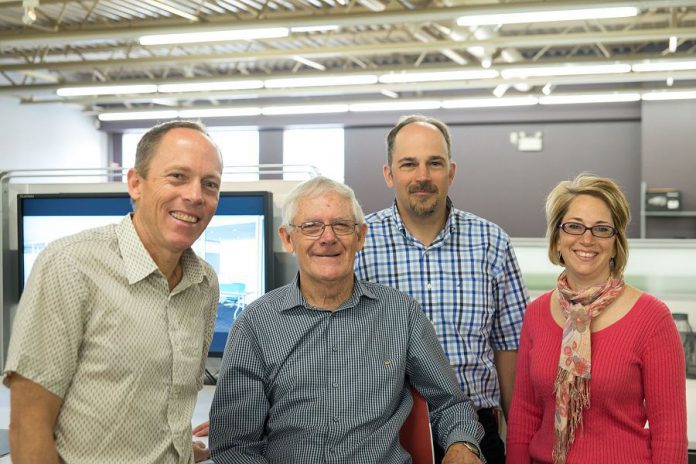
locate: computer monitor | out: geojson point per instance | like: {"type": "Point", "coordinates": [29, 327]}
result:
{"type": "Point", "coordinates": [237, 242]}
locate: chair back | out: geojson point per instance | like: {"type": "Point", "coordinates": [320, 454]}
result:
{"type": "Point", "coordinates": [416, 435]}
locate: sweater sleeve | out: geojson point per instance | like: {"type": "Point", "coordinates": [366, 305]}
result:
{"type": "Point", "coordinates": [525, 415]}
{"type": "Point", "coordinates": [664, 382]}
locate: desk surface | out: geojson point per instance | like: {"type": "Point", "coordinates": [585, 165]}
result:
{"type": "Point", "coordinates": [205, 397]}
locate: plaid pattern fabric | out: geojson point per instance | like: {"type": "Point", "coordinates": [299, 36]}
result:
{"type": "Point", "coordinates": [468, 283]}
{"type": "Point", "coordinates": [303, 385]}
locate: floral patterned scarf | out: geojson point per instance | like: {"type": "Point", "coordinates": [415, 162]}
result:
{"type": "Point", "coordinates": [572, 386]}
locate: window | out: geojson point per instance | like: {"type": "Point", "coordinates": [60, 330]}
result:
{"type": "Point", "coordinates": [239, 147]}
{"type": "Point", "coordinates": [322, 148]}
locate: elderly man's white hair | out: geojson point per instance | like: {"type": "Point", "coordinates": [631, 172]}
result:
{"type": "Point", "coordinates": [316, 187]}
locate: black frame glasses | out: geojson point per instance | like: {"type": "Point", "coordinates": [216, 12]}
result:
{"type": "Point", "coordinates": [599, 231]}
{"type": "Point", "coordinates": [316, 229]}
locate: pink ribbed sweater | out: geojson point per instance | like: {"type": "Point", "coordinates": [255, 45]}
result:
{"type": "Point", "coordinates": [640, 357]}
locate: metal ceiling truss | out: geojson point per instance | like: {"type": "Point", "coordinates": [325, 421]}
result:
{"type": "Point", "coordinates": [90, 42]}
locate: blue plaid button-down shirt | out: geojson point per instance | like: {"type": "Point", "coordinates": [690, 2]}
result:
{"type": "Point", "coordinates": [468, 283]}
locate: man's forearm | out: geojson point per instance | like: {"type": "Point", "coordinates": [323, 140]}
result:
{"type": "Point", "coordinates": [506, 365]}
{"type": "Point", "coordinates": [33, 413]}
{"type": "Point", "coordinates": [30, 447]}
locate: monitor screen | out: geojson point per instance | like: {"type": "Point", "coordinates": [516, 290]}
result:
{"type": "Point", "coordinates": [237, 243]}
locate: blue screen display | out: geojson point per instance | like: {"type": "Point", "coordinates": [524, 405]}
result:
{"type": "Point", "coordinates": [237, 242]}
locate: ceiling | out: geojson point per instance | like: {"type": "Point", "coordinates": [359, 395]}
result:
{"type": "Point", "coordinates": [46, 45]}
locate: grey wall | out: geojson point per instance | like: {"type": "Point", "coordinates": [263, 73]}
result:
{"type": "Point", "coordinates": [650, 141]}
{"type": "Point", "coordinates": [507, 186]}
{"type": "Point", "coordinates": [669, 160]}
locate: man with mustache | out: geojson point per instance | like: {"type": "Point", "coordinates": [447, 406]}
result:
{"type": "Point", "coordinates": [110, 339]}
{"type": "Point", "coordinates": [460, 267]}
{"type": "Point", "coordinates": [319, 370]}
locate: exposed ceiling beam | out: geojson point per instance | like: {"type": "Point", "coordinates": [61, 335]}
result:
{"type": "Point", "coordinates": [539, 40]}
{"type": "Point", "coordinates": [594, 79]}
{"type": "Point", "coordinates": [341, 19]}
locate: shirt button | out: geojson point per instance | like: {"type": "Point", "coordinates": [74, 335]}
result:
{"type": "Point", "coordinates": [429, 286]}
{"type": "Point", "coordinates": [335, 418]}
{"type": "Point", "coordinates": [335, 384]}
{"type": "Point", "coordinates": [334, 348]}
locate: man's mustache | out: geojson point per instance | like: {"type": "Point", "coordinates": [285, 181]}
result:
{"type": "Point", "coordinates": [422, 187]}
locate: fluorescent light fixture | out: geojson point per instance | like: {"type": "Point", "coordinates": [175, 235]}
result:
{"type": "Point", "coordinates": [210, 86]}
{"type": "Point", "coordinates": [651, 66]}
{"type": "Point", "coordinates": [356, 79]}
{"type": "Point", "coordinates": [673, 44]}
{"type": "Point", "coordinates": [669, 95]}
{"type": "Point", "coordinates": [215, 36]}
{"type": "Point", "coordinates": [305, 109]}
{"type": "Point", "coordinates": [547, 89]}
{"type": "Point", "coordinates": [486, 62]}
{"type": "Point", "coordinates": [219, 112]}
{"type": "Point", "coordinates": [405, 77]}
{"type": "Point", "coordinates": [589, 98]}
{"type": "Point", "coordinates": [670, 81]}
{"type": "Point", "coordinates": [540, 16]}
{"type": "Point", "coordinates": [106, 90]}
{"type": "Point", "coordinates": [310, 63]}
{"type": "Point", "coordinates": [389, 93]}
{"type": "Point", "coordinates": [411, 105]}
{"type": "Point", "coordinates": [319, 28]}
{"type": "Point", "coordinates": [500, 90]}
{"type": "Point", "coordinates": [565, 70]}
{"type": "Point", "coordinates": [171, 9]}
{"type": "Point", "coordinates": [489, 102]}
{"type": "Point", "coordinates": [132, 116]}
{"type": "Point", "coordinates": [454, 56]}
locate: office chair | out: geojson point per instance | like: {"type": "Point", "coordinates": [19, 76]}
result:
{"type": "Point", "coordinates": [416, 436]}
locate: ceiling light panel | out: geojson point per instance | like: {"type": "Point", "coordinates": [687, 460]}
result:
{"type": "Point", "coordinates": [219, 112]}
{"type": "Point", "coordinates": [411, 105]}
{"type": "Point", "coordinates": [106, 90]}
{"type": "Point", "coordinates": [434, 76]}
{"type": "Point", "coordinates": [139, 115]}
{"type": "Point", "coordinates": [210, 86]}
{"type": "Point", "coordinates": [322, 81]}
{"type": "Point", "coordinates": [215, 36]}
{"type": "Point", "coordinates": [589, 98]}
{"type": "Point", "coordinates": [669, 95]}
{"type": "Point", "coordinates": [652, 66]}
{"type": "Point", "coordinates": [490, 102]}
{"type": "Point", "coordinates": [305, 109]}
{"type": "Point", "coordinates": [565, 70]}
{"type": "Point", "coordinates": [540, 16]}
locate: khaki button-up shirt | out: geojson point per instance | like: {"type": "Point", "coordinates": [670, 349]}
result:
{"type": "Point", "coordinates": [98, 326]}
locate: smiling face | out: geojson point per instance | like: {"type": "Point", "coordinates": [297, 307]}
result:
{"type": "Point", "coordinates": [325, 261]}
{"type": "Point", "coordinates": [179, 196]}
{"type": "Point", "coordinates": [586, 257]}
{"type": "Point", "coordinates": [421, 172]}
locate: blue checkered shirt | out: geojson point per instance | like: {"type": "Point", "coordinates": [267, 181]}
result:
{"type": "Point", "coordinates": [302, 385]}
{"type": "Point", "coordinates": [468, 283]}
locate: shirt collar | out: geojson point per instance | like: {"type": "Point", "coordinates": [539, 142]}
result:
{"type": "Point", "coordinates": [139, 263]}
{"type": "Point", "coordinates": [294, 298]}
{"type": "Point", "coordinates": [450, 225]}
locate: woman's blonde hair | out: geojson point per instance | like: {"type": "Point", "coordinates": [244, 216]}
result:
{"type": "Point", "coordinates": [604, 188]}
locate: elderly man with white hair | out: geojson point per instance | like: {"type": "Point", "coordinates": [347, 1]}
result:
{"type": "Point", "coordinates": [319, 370]}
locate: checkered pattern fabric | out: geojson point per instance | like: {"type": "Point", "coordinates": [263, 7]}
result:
{"type": "Point", "coordinates": [468, 283]}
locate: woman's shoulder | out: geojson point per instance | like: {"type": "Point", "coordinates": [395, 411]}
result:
{"type": "Point", "coordinates": [644, 301]}
{"type": "Point", "coordinates": [541, 301]}
{"type": "Point", "coordinates": [539, 307]}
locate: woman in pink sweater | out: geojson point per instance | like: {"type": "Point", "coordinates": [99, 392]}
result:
{"type": "Point", "coordinates": [597, 358]}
